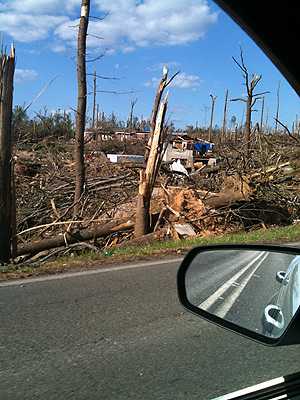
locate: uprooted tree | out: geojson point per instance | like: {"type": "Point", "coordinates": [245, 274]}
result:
{"type": "Point", "coordinates": [153, 157]}
{"type": "Point", "coordinates": [7, 204]}
{"type": "Point", "coordinates": [251, 81]}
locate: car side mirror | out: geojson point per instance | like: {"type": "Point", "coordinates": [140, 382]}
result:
{"type": "Point", "coordinates": [280, 277]}
{"type": "Point", "coordinates": [252, 290]}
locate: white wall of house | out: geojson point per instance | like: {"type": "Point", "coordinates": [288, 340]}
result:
{"type": "Point", "coordinates": [172, 153]}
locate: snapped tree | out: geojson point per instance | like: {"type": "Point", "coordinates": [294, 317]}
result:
{"type": "Point", "coordinates": [224, 126]}
{"type": "Point", "coordinates": [153, 157]}
{"type": "Point", "coordinates": [251, 81]}
{"type": "Point", "coordinates": [81, 104]}
{"type": "Point", "coordinates": [7, 198]}
{"type": "Point", "coordinates": [213, 102]}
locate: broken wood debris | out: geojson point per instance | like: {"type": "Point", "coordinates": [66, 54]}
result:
{"type": "Point", "coordinates": [234, 195]}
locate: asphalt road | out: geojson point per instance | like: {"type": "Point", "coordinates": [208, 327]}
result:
{"type": "Point", "coordinates": [121, 334]}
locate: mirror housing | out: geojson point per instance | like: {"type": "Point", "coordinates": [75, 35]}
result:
{"type": "Point", "coordinates": [272, 320]}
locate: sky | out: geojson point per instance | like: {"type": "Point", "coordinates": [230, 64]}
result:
{"type": "Point", "coordinates": [132, 41]}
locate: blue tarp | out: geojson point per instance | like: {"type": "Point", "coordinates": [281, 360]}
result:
{"type": "Point", "coordinates": [203, 147]}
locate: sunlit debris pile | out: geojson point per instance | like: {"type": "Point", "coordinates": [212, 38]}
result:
{"type": "Point", "coordinates": [45, 190]}
{"type": "Point", "coordinates": [237, 193]}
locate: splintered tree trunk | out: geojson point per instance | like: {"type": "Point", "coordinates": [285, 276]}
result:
{"type": "Point", "coordinates": [161, 87]}
{"type": "Point", "coordinates": [224, 117]}
{"type": "Point", "coordinates": [262, 114]}
{"type": "Point", "coordinates": [81, 104]}
{"type": "Point", "coordinates": [277, 107]}
{"type": "Point", "coordinates": [248, 122]}
{"type": "Point", "coordinates": [7, 205]}
{"type": "Point", "coordinates": [213, 101]}
{"type": "Point", "coordinates": [94, 99]}
{"type": "Point", "coordinates": [132, 105]}
{"type": "Point", "coordinates": [147, 177]}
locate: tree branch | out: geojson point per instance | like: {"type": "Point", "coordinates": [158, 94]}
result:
{"type": "Point", "coordinates": [239, 99]}
{"type": "Point", "coordinates": [95, 36]}
{"type": "Point", "coordinates": [96, 58]}
{"type": "Point", "coordinates": [41, 92]}
{"type": "Point", "coordinates": [260, 94]}
{"type": "Point", "coordinates": [103, 77]}
{"type": "Point", "coordinates": [287, 130]}
{"type": "Point", "coordinates": [115, 92]}
{"type": "Point", "coordinates": [99, 18]}
{"type": "Point", "coordinates": [253, 102]}
{"type": "Point", "coordinates": [172, 78]}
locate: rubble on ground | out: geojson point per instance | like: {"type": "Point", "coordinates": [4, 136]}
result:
{"type": "Point", "coordinates": [233, 195]}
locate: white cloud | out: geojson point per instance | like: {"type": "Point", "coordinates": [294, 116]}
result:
{"type": "Point", "coordinates": [185, 81]}
{"type": "Point", "coordinates": [169, 64]}
{"type": "Point", "coordinates": [127, 49]}
{"type": "Point", "coordinates": [181, 81]}
{"type": "Point", "coordinates": [58, 48]}
{"type": "Point", "coordinates": [28, 28]}
{"type": "Point", "coordinates": [22, 75]}
{"type": "Point", "coordinates": [128, 24]}
{"type": "Point", "coordinates": [41, 6]}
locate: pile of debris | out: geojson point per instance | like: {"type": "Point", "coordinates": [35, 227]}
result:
{"type": "Point", "coordinates": [232, 196]}
{"type": "Point", "coordinates": [45, 191]}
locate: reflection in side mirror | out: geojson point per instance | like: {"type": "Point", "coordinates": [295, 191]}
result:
{"type": "Point", "coordinates": [250, 289]}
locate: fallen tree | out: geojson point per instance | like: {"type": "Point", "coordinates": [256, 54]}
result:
{"type": "Point", "coordinates": [79, 236]}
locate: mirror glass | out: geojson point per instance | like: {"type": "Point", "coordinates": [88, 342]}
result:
{"type": "Point", "coordinates": [257, 290]}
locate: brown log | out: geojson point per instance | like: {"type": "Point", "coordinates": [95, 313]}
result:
{"type": "Point", "coordinates": [225, 199]}
{"type": "Point", "coordinates": [79, 236]}
{"type": "Point", "coordinates": [146, 239]}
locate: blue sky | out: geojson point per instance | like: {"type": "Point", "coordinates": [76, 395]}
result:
{"type": "Point", "coordinates": [193, 36]}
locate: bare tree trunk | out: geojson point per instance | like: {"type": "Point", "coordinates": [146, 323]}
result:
{"type": "Point", "coordinates": [248, 122]}
{"type": "Point", "coordinates": [224, 117]}
{"type": "Point", "coordinates": [251, 98]}
{"type": "Point", "coordinates": [81, 104]}
{"type": "Point", "coordinates": [277, 107]}
{"type": "Point", "coordinates": [7, 203]}
{"type": "Point", "coordinates": [213, 100]}
{"type": "Point", "coordinates": [132, 105]}
{"type": "Point", "coordinates": [148, 177]}
{"type": "Point", "coordinates": [97, 119]}
{"type": "Point", "coordinates": [14, 245]}
{"type": "Point", "coordinates": [94, 99]}
{"type": "Point", "coordinates": [262, 113]}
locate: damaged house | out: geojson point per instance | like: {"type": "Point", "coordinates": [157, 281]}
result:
{"type": "Point", "coordinates": [187, 151]}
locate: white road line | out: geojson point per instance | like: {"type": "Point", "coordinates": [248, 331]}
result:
{"type": "Point", "coordinates": [66, 275]}
{"type": "Point", "coordinates": [252, 389]}
{"type": "Point", "coordinates": [231, 299]}
{"type": "Point", "coordinates": [217, 294]}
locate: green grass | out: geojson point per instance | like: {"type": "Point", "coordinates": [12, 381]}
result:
{"type": "Point", "coordinates": [285, 234]}
{"type": "Point", "coordinates": [273, 235]}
